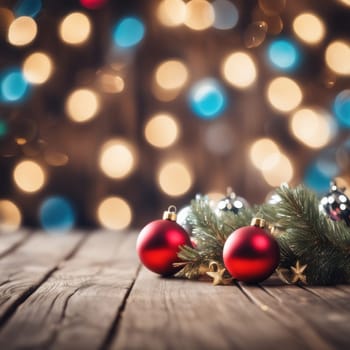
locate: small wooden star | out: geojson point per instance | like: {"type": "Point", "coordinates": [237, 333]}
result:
{"type": "Point", "coordinates": [298, 274]}
{"type": "Point", "coordinates": [217, 274]}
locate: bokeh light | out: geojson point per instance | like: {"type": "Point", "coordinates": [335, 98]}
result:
{"type": "Point", "coordinates": [37, 68]}
{"type": "Point", "coordinates": [313, 127]}
{"type": "Point", "coordinates": [171, 13]}
{"type": "Point", "coordinates": [207, 99]}
{"type": "Point", "coordinates": [27, 8]}
{"type": "Point", "coordinates": [175, 178]}
{"type": "Point", "coordinates": [338, 57]}
{"type": "Point", "coordinates": [200, 14]}
{"type": "Point", "coordinates": [280, 171]}
{"type": "Point", "coordinates": [114, 213]}
{"type": "Point", "coordinates": [117, 158]}
{"type": "Point", "coordinates": [239, 70]}
{"type": "Point", "coordinates": [264, 152]}
{"type": "Point", "coordinates": [82, 105]}
{"type": "Point", "coordinates": [55, 158]}
{"type": "Point", "coordinates": [226, 14]}
{"type": "Point", "coordinates": [10, 216]}
{"type": "Point", "coordinates": [93, 4]}
{"type": "Point", "coordinates": [283, 54]}
{"type": "Point", "coordinates": [321, 171]}
{"type": "Point", "coordinates": [22, 31]}
{"type": "Point", "coordinates": [342, 108]}
{"type": "Point", "coordinates": [309, 28]}
{"type": "Point", "coordinates": [128, 32]}
{"type": "Point", "coordinates": [57, 215]}
{"type": "Point", "coordinates": [161, 130]}
{"type": "Point", "coordinates": [171, 75]}
{"type": "Point", "coordinates": [29, 176]}
{"type": "Point", "coordinates": [284, 94]}
{"type": "Point", "coordinates": [75, 28]}
{"type": "Point", "coordinates": [13, 86]}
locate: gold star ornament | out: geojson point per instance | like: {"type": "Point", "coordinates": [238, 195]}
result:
{"type": "Point", "coordinates": [217, 273]}
{"type": "Point", "coordinates": [298, 273]}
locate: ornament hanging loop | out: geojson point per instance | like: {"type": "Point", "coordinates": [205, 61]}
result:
{"type": "Point", "coordinates": [258, 222]}
{"type": "Point", "coordinates": [170, 214]}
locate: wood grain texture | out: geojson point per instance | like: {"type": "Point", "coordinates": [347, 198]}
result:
{"type": "Point", "coordinates": [24, 269]}
{"type": "Point", "coordinates": [76, 307]}
{"type": "Point", "coordinates": [10, 241]}
{"type": "Point", "coordinates": [180, 314]}
{"type": "Point", "coordinates": [316, 314]}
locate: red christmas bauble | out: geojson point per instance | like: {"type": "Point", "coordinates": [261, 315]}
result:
{"type": "Point", "coordinates": [251, 254]}
{"type": "Point", "coordinates": [158, 244]}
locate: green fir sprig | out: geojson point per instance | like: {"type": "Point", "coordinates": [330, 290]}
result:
{"type": "Point", "coordinates": [302, 232]}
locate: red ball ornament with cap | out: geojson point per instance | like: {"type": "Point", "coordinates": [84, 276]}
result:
{"type": "Point", "coordinates": [159, 243]}
{"type": "Point", "coordinates": [250, 253]}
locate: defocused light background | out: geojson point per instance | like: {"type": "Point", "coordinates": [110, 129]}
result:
{"type": "Point", "coordinates": [110, 111]}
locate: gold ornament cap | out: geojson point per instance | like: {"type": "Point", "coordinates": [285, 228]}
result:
{"type": "Point", "coordinates": [258, 222]}
{"type": "Point", "coordinates": [170, 214]}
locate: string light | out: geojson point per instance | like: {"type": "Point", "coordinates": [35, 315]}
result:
{"type": "Point", "coordinates": [284, 94]}
{"type": "Point", "coordinates": [239, 70]}
{"type": "Point", "coordinates": [37, 68]}
{"type": "Point", "coordinates": [200, 14]}
{"type": "Point", "coordinates": [57, 214]}
{"type": "Point", "coordinates": [175, 178]}
{"type": "Point", "coordinates": [117, 158]}
{"type": "Point", "coordinates": [14, 87]}
{"type": "Point", "coordinates": [283, 54]}
{"type": "Point", "coordinates": [207, 98]}
{"type": "Point", "coordinates": [309, 28]}
{"type": "Point", "coordinates": [29, 176]}
{"type": "Point", "coordinates": [338, 57]}
{"type": "Point", "coordinates": [161, 130]}
{"type": "Point", "coordinates": [10, 216]}
{"type": "Point", "coordinates": [75, 28]}
{"type": "Point", "coordinates": [111, 84]}
{"type": "Point", "coordinates": [226, 14]}
{"type": "Point", "coordinates": [128, 32]}
{"type": "Point", "coordinates": [171, 75]}
{"type": "Point", "coordinates": [264, 153]}
{"type": "Point", "coordinates": [171, 13]}
{"type": "Point", "coordinates": [312, 127]}
{"type": "Point", "coordinates": [22, 31]}
{"type": "Point", "coordinates": [280, 171]}
{"type": "Point", "coordinates": [114, 213]}
{"type": "Point", "coordinates": [82, 105]}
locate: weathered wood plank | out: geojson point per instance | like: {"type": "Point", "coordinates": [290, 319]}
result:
{"type": "Point", "coordinates": [321, 323]}
{"type": "Point", "coordinates": [22, 271]}
{"type": "Point", "coordinates": [10, 241]}
{"type": "Point", "coordinates": [180, 314]}
{"type": "Point", "coordinates": [76, 307]}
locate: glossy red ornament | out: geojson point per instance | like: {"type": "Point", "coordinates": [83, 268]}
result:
{"type": "Point", "coordinates": [93, 4]}
{"type": "Point", "coordinates": [250, 253]}
{"type": "Point", "coordinates": [159, 242]}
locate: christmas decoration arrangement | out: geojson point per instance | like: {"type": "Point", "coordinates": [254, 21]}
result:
{"type": "Point", "coordinates": [303, 239]}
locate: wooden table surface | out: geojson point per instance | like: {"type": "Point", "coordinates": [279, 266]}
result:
{"type": "Point", "coordinates": [88, 291]}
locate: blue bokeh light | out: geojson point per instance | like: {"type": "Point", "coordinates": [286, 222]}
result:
{"type": "Point", "coordinates": [13, 86]}
{"type": "Point", "coordinates": [226, 14]}
{"type": "Point", "coordinates": [321, 171]}
{"type": "Point", "coordinates": [207, 99]}
{"type": "Point", "coordinates": [341, 108]}
{"type": "Point", "coordinates": [284, 54]}
{"type": "Point", "coordinates": [28, 8]}
{"type": "Point", "coordinates": [128, 32]}
{"type": "Point", "coordinates": [56, 214]}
